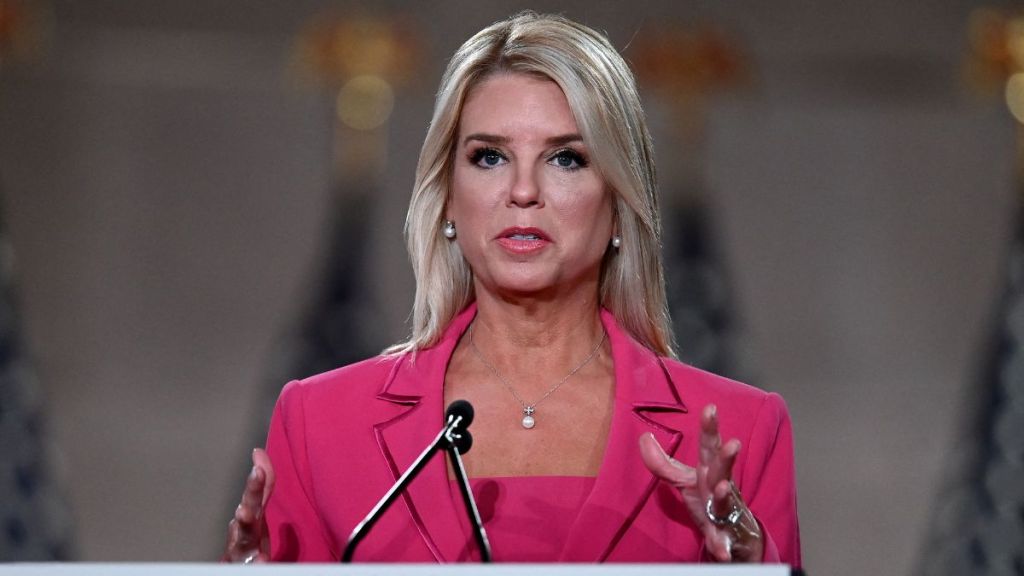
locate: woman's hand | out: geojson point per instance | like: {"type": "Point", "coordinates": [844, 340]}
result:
{"type": "Point", "coordinates": [248, 540]}
{"type": "Point", "coordinates": [731, 533]}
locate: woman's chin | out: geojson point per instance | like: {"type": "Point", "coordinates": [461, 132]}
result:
{"type": "Point", "coordinates": [532, 289]}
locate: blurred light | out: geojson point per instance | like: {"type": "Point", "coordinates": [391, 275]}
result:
{"type": "Point", "coordinates": [690, 60]}
{"type": "Point", "coordinates": [25, 31]}
{"type": "Point", "coordinates": [987, 34]}
{"type": "Point", "coordinates": [334, 48]}
{"type": "Point", "coordinates": [1015, 96]}
{"type": "Point", "coordinates": [365, 102]}
{"type": "Point", "coordinates": [1015, 41]}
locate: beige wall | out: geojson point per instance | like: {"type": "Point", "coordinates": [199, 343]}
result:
{"type": "Point", "coordinates": [166, 187]}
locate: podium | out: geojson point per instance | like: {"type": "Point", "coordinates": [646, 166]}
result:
{"type": "Point", "coordinates": [211, 569]}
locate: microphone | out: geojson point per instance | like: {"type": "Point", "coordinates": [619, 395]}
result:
{"type": "Point", "coordinates": [463, 411]}
{"type": "Point", "coordinates": [454, 438]}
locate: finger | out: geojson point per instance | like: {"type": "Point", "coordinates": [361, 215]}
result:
{"type": "Point", "coordinates": [743, 539]}
{"type": "Point", "coordinates": [246, 530]}
{"type": "Point", "coordinates": [260, 459]}
{"type": "Point", "coordinates": [722, 548]}
{"type": "Point", "coordinates": [250, 508]}
{"type": "Point", "coordinates": [240, 545]}
{"type": "Point", "coordinates": [720, 468]}
{"type": "Point", "coordinates": [231, 546]}
{"type": "Point", "coordinates": [722, 499]}
{"type": "Point", "coordinates": [718, 543]}
{"type": "Point", "coordinates": [663, 466]}
{"type": "Point", "coordinates": [710, 441]}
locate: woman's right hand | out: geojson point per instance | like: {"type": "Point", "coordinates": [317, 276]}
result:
{"type": "Point", "coordinates": [708, 492]}
{"type": "Point", "coordinates": [248, 540]}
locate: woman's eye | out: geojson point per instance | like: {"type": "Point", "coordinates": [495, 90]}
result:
{"type": "Point", "coordinates": [568, 159]}
{"type": "Point", "coordinates": [487, 158]}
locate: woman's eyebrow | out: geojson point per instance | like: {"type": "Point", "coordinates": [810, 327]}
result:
{"type": "Point", "coordinates": [488, 138]}
{"type": "Point", "coordinates": [496, 139]}
{"type": "Point", "coordinates": [564, 139]}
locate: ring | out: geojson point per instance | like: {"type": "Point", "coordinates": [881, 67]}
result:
{"type": "Point", "coordinates": [731, 520]}
{"type": "Point", "coordinates": [250, 559]}
{"type": "Point", "coordinates": [738, 521]}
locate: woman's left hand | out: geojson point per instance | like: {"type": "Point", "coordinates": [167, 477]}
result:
{"type": "Point", "coordinates": [248, 539]}
{"type": "Point", "coordinates": [731, 533]}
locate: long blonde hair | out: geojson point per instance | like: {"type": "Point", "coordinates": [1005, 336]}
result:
{"type": "Point", "coordinates": [601, 92]}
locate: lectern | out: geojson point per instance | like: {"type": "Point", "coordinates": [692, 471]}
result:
{"type": "Point", "coordinates": [174, 569]}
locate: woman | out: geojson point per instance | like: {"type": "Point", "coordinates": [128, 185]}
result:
{"type": "Point", "coordinates": [534, 235]}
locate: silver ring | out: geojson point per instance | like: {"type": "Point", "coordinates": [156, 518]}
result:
{"type": "Point", "coordinates": [250, 559]}
{"type": "Point", "coordinates": [731, 520]}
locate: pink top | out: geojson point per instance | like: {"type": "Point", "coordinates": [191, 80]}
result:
{"type": "Point", "coordinates": [527, 518]}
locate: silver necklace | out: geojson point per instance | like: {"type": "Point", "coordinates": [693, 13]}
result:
{"type": "Point", "coordinates": [529, 409]}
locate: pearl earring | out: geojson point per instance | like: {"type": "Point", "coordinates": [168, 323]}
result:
{"type": "Point", "coordinates": [616, 241]}
{"type": "Point", "coordinates": [449, 229]}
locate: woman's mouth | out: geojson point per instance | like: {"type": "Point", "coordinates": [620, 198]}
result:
{"type": "Point", "coordinates": [523, 240]}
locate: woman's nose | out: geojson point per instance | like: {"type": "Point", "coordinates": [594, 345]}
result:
{"type": "Point", "coordinates": [525, 189]}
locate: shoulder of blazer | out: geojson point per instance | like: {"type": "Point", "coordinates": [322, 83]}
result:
{"type": "Point", "coordinates": [364, 378]}
{"type": "Point", "coordinates": [693, 383]}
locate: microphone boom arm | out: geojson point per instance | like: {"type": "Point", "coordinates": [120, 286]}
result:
{"type": "Point", "coordinates": [471, 509]}
{"type": "Point", "coordinates": [447, 439]}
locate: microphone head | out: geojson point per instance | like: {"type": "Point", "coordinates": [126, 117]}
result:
{"type": "Point", "coordinates": [460, 408]}
{"type": "Point", "coordinates": [464, 441]}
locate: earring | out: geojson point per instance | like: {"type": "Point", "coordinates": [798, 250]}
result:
{"type": "Point", "coordinates": [449, 229]}
{"type": "Point", "coordinates": [616, 241]}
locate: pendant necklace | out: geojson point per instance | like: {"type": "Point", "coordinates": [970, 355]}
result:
{"type": "Point", "coordinates": [529, 409]}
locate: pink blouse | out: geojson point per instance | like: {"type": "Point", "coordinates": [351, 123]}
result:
{"type": "Point", "coordinates": [527, 518]}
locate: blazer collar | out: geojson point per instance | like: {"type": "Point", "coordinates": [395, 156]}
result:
{"type": "Point", "coordinates": [646, 400]}
{"type": "Point", "coordinates": [416, 383]}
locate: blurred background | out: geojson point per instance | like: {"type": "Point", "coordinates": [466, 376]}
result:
{"type": "Point", "coordinates": [198, 196]}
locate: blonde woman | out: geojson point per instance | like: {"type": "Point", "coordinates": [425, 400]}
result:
{"type": "Point", "coordinates": [534, 236]}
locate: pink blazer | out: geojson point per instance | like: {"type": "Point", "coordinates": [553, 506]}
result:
{"type": "Point", "coordinates": [339, 440]}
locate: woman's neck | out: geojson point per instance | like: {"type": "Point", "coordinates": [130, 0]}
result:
{"type": "Point", "coordinates": [527, 341]}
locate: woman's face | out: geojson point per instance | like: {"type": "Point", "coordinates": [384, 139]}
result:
{"type": "Point", "coordinates": [534, 216]}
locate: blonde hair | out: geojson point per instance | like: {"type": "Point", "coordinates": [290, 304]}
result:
{"type": "Point", "coordinates": [601, 92]}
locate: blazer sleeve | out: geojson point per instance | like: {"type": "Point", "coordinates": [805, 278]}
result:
{"type": "Point", "coordinates": [768, 481]}
{"type": "Point", "coordinates": [296, 530]}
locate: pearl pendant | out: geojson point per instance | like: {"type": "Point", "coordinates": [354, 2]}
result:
{"type": "Point", "coordinates": [528, 421]}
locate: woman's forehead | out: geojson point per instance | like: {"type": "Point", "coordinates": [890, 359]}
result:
{"type": "Point", "coordinates": [516, 105]}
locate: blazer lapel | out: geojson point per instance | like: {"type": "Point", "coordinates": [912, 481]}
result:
{"type": "Point", "coordinates": [417, 384]}
{"type": "Point", "coordinates": [645, 401]}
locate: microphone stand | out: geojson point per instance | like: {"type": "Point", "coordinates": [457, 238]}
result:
{"type": "Point", "coordinates": [467, 499]}
{"type": "Point", "coordinates": [449, 439]}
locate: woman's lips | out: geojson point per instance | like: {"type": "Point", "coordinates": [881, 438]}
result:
{"type": "Point", "coordinates": [523, 240]}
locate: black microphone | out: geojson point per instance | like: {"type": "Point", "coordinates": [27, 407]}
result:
{"type": "Point", "coordinates": [454, 438]}
{"type": "Point", "coordinates": [461, 411]}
